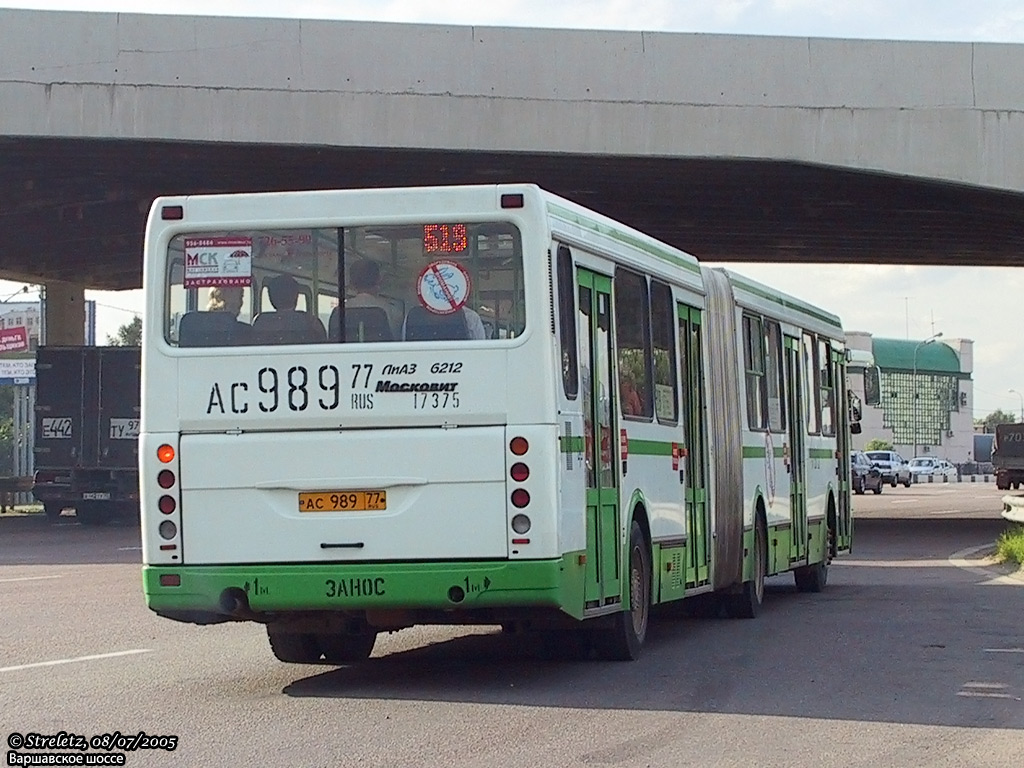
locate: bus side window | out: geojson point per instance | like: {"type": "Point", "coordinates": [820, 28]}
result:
{"type": "Point", "coordinates": [633, 340]}
{"type": "Point", "coordinates": [567, 323]}
{"type": "Point", "coordinates": [212, 329]}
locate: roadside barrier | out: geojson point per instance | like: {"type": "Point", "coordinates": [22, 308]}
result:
{"type": "Point", "coordinates": [1013, 508]}
{"type": "Point", "coordinates": [961, 479]}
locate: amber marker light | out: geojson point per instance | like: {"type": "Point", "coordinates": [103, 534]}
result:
{"type": "Point", "coordinates": [165, 453]}
{"type": "Point", "coordinates": [519, 446]}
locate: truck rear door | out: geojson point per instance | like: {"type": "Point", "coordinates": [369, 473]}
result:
{"type": "Point", "coordinates": [118, 415]}
{"type": "Point", "coordinates": [60, 375]}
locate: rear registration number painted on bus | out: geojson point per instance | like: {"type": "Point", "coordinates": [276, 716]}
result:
{"type": "Point", "coordinates": [343, 501]}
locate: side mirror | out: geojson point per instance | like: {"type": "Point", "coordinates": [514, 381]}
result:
{"type": "Point", "coordinates": [855, 428]}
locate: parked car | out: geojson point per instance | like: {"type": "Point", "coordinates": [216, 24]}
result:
{"type": "Point", "coordinates": [863, 474]}
{"type": "Point", "coordinates": [940, 470]}
{"type": "Point", "coordinates": [893, 467]}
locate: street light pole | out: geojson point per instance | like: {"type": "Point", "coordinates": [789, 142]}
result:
{"type": "Point", "coordinates": [914, 382]}
{"type": "Point", "coordinates": [1018, 394]}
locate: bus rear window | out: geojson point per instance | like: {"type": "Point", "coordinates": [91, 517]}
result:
{"type": "Point", "coordinates": [386, 283]}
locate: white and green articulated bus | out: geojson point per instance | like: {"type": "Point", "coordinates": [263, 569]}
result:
{"type": "Point", "coordinates": [364, 410]}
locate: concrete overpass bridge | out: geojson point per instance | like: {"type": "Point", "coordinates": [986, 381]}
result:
{"type": "Point", "coordinates": [731, 147]}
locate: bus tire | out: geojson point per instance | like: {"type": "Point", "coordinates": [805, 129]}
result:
{"type": "Point", "coordinates": [52, 510]}
{"type": "Point", "coordinates": [345, 648]}
{"type": "Point", "coordinates": [811, 578]}
{"type": "Point", "coordinates": [624, 639]}
{"type": "Point", "coordinates": [746, 604]}
{"type": "Point", "coordinates": [293, 647]}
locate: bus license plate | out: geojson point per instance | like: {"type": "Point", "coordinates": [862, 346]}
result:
{"type": "Point", "coordinates": [343, 501]}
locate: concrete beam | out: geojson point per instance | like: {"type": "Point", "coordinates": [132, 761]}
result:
{"type": "Point", "coordinates": [949, 111]}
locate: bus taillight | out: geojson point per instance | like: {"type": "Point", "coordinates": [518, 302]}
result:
{"type": "Point", "coordinates": [167, 504]}
{"type": "Point", "coordinates": [519, 472]}
{"type": "Point", "coordinates": [165, 453]}
{"type": "Point", "coordinates": [521, 524]}
{"type": "Point", "coordinates": [519, 446]}
{"type": "Point", "coordinates": [520, 497]}
{"type": "Point", "coordinates": [165, 479]}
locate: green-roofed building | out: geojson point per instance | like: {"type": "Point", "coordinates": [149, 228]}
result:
{"type": "Point", "coordinates": [925, 396]}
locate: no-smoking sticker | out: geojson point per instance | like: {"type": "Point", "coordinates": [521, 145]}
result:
{"type": "Point", "coordinates": [443, 287]}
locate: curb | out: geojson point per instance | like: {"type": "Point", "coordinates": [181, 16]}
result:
{"type": "Point", "coordinates": [998, 573]}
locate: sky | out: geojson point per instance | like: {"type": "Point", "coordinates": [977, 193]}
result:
{"type": "Point", "coordinates": [888, 301]}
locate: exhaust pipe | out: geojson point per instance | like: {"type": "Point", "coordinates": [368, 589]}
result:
{"type": "Point", "coordinates": [235, 603]}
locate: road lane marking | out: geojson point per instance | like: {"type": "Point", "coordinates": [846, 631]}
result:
{"type": "Point", "coordinates": [1004, 650]}
{"type": "Point", "coordinates": [75, 660]}
{"type": "Point", "coordinates": [129, 549]}
{"type": "Point", "coordinates": [986, 691]}
{"type": "Point", "coordinates": [31, 578]}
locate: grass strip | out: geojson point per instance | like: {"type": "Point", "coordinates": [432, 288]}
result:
{"type": "Point", "coordinates": [1010, 545]}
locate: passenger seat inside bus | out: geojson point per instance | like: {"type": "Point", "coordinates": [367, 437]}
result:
{"type": "Point", "coordinates": [421, 325]}
{"type": "Point", "coordinates": [362, 324]}
{"type": "Point", "coordinates": [212, 329]}
{"type": "Point", "coordinates": [288, 326]}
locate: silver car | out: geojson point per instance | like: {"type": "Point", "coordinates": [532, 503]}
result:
{"type": "Point", "coordinates": [894, 468]}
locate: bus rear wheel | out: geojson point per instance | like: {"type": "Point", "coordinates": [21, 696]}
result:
{"type": "Point", "coordinates": [293, 647]}
{"type": "Point", "coordinates": [624, 639]}
{"type": "Point", "coordinates": [345, 648]}
{"type": "Point", "coordinates": [746, 604]}
{"type": "Point", "coordinates": [811, 578]}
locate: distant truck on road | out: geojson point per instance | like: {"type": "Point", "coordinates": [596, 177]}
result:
{"type": "Point", "coordinates": [1008, 456]}
{"type": "Point", "coordinates": [87, 432]}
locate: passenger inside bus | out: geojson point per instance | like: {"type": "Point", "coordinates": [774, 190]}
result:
{"type": "Point", "coordinates": [286, 324]}
{"type": "Point", "coordinates": [368, 315]}
{"type": "Point", "coordinates": [421, 324]}
{"type": "Point", "coordinates": [219, 324]}
{"type": "Point", "coordinates": [632, 405]}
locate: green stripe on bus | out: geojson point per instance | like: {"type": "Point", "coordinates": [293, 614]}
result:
{"type": "Point", "coordinates": [758, 452]}
{"type": "Point", "coordinates": [573, 444]}
{"type": "Point", "coordinates": [650, 448]}
{"type": "Point", "coordinates": [788, 302]}
{"type": "Point", "coordinates": [624, 237]}
{"type": "Point", "coordinates": [822, 453]}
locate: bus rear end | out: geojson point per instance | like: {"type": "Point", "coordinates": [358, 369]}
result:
{"type": "Point", "coordinates": [330, 441]}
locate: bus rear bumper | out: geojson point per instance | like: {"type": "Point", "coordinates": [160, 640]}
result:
{"type": "Point", "coordinates": [210, 594]}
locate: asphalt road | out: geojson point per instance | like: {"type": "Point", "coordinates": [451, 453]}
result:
{"type": "Point", "coordinates": [913, 656]}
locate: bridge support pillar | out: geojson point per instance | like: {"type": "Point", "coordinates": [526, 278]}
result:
{"type": "Point", "coordinates": [63, 314]}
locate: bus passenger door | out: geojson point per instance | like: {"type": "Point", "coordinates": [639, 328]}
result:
{"type": "Point", "coordinates": [693, 469]}
{"type": "Point", "coordinates": [795, 450]}
{"type": "Point", "coordinates": [601, 439]}
{"type": "Point", "coordinates": [844, 524]}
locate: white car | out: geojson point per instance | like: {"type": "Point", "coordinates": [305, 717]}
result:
{"type": "Point", "coordinates": [893, 467]}
{"type": "Point", "coordinates": [940, 470]}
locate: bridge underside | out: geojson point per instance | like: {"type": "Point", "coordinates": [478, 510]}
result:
{"type": "Point", "coordinates": [74, 210]}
